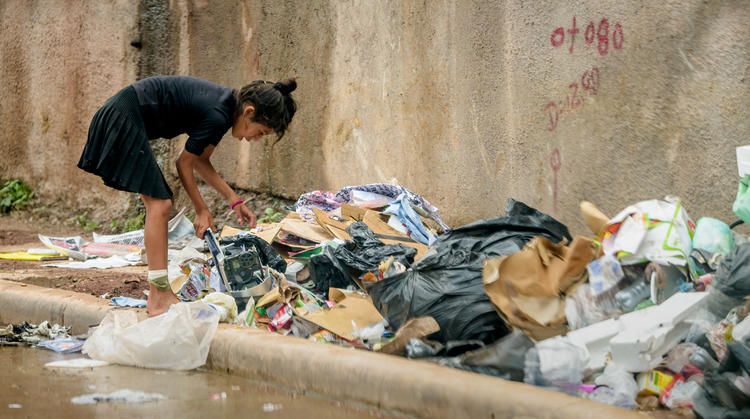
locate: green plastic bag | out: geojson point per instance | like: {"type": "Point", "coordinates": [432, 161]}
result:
{"type": "Point", "coordinates": [741, 205]}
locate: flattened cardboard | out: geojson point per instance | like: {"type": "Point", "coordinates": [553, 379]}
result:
{"type": "Point", "coordinates": [305, 230]}
{"type": "Point", "coordinates": [335, 228]}
{"type": "Point", "coordinates": [594, 218]}
{"type": "Point", "coordinates": [528, 288]}
{"type": "Point", "coordinates": [350, 212]}
{"type": "Point", "coordinates": [414, 328]}
{"type": "Point", "coordinates": [351, 312]}
{"type": "Point", "coordinates": [270, 235]}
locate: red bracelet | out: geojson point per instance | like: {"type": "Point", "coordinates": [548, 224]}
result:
{"type": "Point", "coordinates": [241, 201]}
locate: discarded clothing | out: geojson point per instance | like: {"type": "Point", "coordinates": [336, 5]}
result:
{"type": "Point", "coordinates": [403, 210]}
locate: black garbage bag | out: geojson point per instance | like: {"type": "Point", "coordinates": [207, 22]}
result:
{"type": "Point", "coordinates": [733, 276]}
{"type": "Point", "coordinates": [505, 358]}
{"type": "Point", "coordinates": [335, 267]}
{"type": "Point", "coordinates": [267, 254]}
{"type": "Point", "coordinates": [447, 282]}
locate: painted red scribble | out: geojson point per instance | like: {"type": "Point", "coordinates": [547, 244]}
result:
{"type": "Point", "coordinates": [600, 33]}
{"type": "Point", "coordinates": [555, 162]}
{"type": "Point", "coordinates": [589, 83]}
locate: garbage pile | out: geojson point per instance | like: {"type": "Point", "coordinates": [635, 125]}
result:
{"type": "Point", "coordinates": [648, 312]}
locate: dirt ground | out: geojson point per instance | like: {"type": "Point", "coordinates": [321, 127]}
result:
{"type": "Point", "coordinates": [18, 234]}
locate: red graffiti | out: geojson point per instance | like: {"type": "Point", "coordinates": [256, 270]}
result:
{"type": "Point", "coordinates": [555, 162]}
{"type": "Point", "coordinates": [600, 33]}
{"type": "Point", "coordinates": [589, 83]}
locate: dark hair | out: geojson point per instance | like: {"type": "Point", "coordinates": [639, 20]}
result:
{"type": "Point", "coordinates": [274, 106]}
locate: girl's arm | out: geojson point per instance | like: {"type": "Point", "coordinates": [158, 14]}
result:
{"type": "Point", "coordinates": [186, 163]}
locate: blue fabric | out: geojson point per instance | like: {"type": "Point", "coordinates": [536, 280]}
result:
{"type": "Point", "coordinates": [128, 302]}
{"type": "Point", "coordinates": [403, 210]}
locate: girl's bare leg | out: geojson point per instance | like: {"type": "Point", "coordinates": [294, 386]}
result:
{"type": "Point", "coordinates": [157, 216]}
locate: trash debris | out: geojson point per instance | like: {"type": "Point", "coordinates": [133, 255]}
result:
{"type": "Point", "coordinates": [119, 396]}
{"type": "Point", "coordinates": [446, 284]}
{"type": "Point", "coordinates": [31, 334]}
{"type": "Point", "coordinates": [272, 407]}
{"type": "Point", "coordinates": [178, 339]}
{"type": "Point", "coordinates": [77, 363]}
{"type": "Point", "coordinates": [128, 302]}
{"type": "Point", "coordinates": [101, 263]}
{"type": "Point", "coordinates": [63, 345]}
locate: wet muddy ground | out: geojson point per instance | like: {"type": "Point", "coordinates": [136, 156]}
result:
{"type": "Point", "coordinates": [28, 389]}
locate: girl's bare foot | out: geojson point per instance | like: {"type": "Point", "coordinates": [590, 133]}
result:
{"type": "Point", "coordinates": [159, 301]}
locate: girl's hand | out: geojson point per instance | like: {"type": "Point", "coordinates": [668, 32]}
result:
{"type": "Point", "coordinates": [203, 221]}
{"type": "Point", "coordinates": [245, 216]}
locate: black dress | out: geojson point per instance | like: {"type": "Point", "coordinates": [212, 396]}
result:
{"type": "Point", "coordinates": [118, 148]}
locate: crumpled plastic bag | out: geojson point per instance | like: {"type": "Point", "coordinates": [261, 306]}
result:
{"type": "Point", "coordinates": [656, 230]}
{"type": "Point", "coordinates": [177, 340]}
{"type": "Point", "coordinates": [332, 267]}
{"type": "Point", "coordinates": [741, 206]}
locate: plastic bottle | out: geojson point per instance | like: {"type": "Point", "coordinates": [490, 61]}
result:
{"type": "Point", "coordinates": [633, 295]}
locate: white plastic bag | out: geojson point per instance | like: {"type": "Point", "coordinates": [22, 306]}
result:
{"type": "Point", "coordinates": [657, 230]}
{"type": "Point", "coordinates": [178, 339]}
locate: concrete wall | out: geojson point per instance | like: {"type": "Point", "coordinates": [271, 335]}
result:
{"type": "Point", "coordinates": [464, 102]}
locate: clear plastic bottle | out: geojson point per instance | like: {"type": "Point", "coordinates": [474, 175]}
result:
{"type": "Point", "coordinates": [633, 295]}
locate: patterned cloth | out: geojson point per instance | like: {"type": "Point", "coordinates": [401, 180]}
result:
{"type": "Point", "coordinates": [327, 201]}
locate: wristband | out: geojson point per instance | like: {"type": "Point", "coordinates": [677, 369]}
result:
{"type": "Point", "coordinates": [241, 201]}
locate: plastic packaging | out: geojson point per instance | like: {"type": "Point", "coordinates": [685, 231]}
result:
{"type": "Point", "coordinates": [682, 394]}
{"type": "Point", "coordinates": [604, 273]}
{"type": "Point", "coordinates": [713, 235]}
{"type": "Point", "coordinates": [583, 308]}
{"type": "Point", "coordinates": [701, 359]}
{"type": "Point", "coordinates": [630, 297]}
{"type": "Point", "coordinates": [622, 385]}
{"type": "Point", "coordinates": [557, 363]}
{"type": "Point", "coordinates": [224, 305]}
{"type": "Point", "coordinates": [678, 356]}
{"type": "Point", "coordinates": [741, 206]}
{"type": "Point", "coordinates": [178, 339]}
{"type": "Point", "coordinates": [503, 358]}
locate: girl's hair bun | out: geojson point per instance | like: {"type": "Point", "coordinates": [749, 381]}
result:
{"type": "Point", "coordinates": [286, 86]}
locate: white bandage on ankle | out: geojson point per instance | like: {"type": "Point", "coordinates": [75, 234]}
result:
{"type": "Point", "coordinates": [159, 279]}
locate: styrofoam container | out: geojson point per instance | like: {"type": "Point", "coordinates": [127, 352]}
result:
{"type": "Point", "coordinates": [743, 160]}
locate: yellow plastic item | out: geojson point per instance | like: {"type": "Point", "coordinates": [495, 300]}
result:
{"type": "Point", "coordinates": [652, 382]}
{"type": "Point", "coordinates": [23, 256]}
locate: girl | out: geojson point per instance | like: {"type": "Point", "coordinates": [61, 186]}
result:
{"type": "Point", "coordinates": [118, 150]}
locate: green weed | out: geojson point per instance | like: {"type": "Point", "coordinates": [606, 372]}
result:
{"type": "Point", "coordinates": [15, 194]}
{"type": "Point", "coordinates": [271, 216]}
{"type": "Point", "coordinates": [87, 225]}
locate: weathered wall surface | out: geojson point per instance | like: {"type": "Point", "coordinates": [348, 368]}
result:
{"type": "Point", "coordinates": [59, 61]}
{"type": "Point", "coordinates": [465, 102]}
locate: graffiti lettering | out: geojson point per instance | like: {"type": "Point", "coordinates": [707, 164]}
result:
{"type": "Point", "coordinates": [589, 83]}
{"type": "Point", "coordinates": [600, 33]}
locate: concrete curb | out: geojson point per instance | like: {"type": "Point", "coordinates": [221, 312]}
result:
{"type": "Point", "coordinates": [392, 383]}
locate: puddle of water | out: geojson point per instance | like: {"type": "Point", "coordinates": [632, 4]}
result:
{"type": "Point", "coordinates": [30, 389]}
